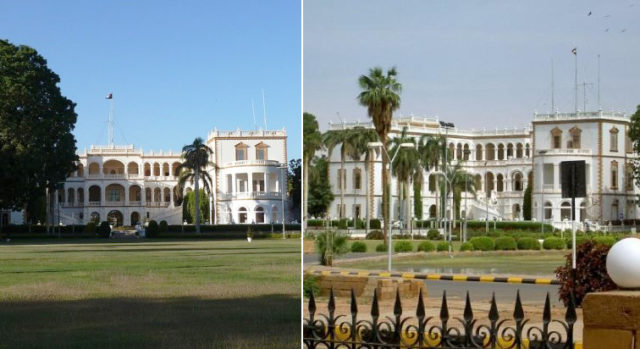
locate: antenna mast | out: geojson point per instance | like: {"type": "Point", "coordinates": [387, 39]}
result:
{"type": "Point", "coordinates": [110, 123]}
{"type": "Point", "coordinates": [599, 105]}
{"type": "Point", "coordinates": [575, 54]}
{"type": "Point", "coordinates": [553, 104]}
{"type": "Point", "coordinates": [255, 127]}
{"type": "Point", "coordinates": [264, 110]}
{"type": "Point", "coordinates": [584, 94]}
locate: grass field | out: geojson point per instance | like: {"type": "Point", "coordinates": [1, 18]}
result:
{"type": "Point", "coordinates": [524, 263]}
{"type": "Point", "coordinates": [214, 294]}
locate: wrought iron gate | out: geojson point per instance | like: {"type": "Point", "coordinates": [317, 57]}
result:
{"type": "Point", "coordinates": [422, 331]}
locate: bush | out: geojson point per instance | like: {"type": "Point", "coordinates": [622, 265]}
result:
{"type": "Point", "coordinates": [554, 243]}
{"type": "Point", "coordinates": [482, 243]}
{"type": "Point", "coordinates": [602, 240]}
{"type": "Point", "coordinates": [426, 246]}
{"type": "Point", "coordinates": [591, 272]}
{"type": "Point", "coordinates": [442, 246]}
{"type": "Point", "coordinates": [330, 244]}
{"type": "Point", "coordinates": [403, 246]}
{"type": "Point", "coordinates": [527, 243]}
{"type": "Point", "coordinates": [381, 248]}
{"type": "Point", "coordinates": [163, 227]}
{"type": "Point", "coordinates": [505, 243]}
{"type": "Point", "coordinates": [90, 227]}
{"type": "Point", "coordinates": [433, 234]}
{"type": "Point", "coordinates": [358, 246]}
{"type": "Point", "coordinates": [152, 229]}
{"type": "Point", "coordinates": [375, 224]}
{"type": "Point", "coordinates": [315, 223]}
{"type": "Point", "coordinates": [579, 240]}
{"type": "Point", "coordinates": [104, 230]}
{"type": "Point", "coordinates": [466, 246]}
{"type": "Point", "coordinates": [375, 235]}
{"type": "Point", "coordinates": [310, 284]}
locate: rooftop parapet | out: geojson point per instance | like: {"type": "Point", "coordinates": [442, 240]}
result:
{"type": "Point", "coordinates": [248, 134]}
{"type": "Point", "coordinates": [580, 115]}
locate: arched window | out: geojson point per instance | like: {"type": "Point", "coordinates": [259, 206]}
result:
{"type": "Point", "coordinates": [478, 182]}
{"type": "Point", "coordinates": [519, 151]}
{"type": "Point", "coordinates": [488, 183]}
{"type": "Point", "coordinates": [500, 151]}
{"type": "Point", "coordinates": [615, 210]}
{"type": "Point", "coordinates": [94, 168]}
{"type": "Point", "coordinates": [156, 169]}
{"type": "Point", "coordinates": [241, 151]}
{"type": "Point", "coordinates": [94, 194]}
{"type": "Point", "coordinates": [466, 152]}
{"type": "Point", "coordinates": [509, 150]}
{"type": "Point", "coordinates": [147, 169]}
{"type": "Point", "coordinates": [80, 195]}
{"type": "Point", "coordinates": [174, 169]}
{"type": "Point", "coordinates": [165, 169]}
{"type": "Point", "coordinates": [242, 215]}
{"type": "Point", "coordinates": [575, 133]}
{"type": "Point", "coordinates": [132, 168]}
{"type": "Point", "coordinates": [613, 137]}
{"type": "Point", "coordinates": [114, 193]}
{"type": "Point", "coordinates": [70, 196]}
{"type": "Point", "coordinates": [548, 210]}
{"type": "Point", "coordinates": [357, 179]}
{"type": "Point", "coordinates": [459, 151]}
{"type": "Point", "coordinates": [516, 211]}
{"type": "Point", "coordinates": [491, 151]}
{"type": "Point", "coordinates": [527, 151]}
{"type": "Point", "coordinates": [259, 214]}
{"type": "Point", "coordinates": [167, 195]}
{"type": "Point", "coordinates": [113, 167]}
{"type": "Point", "coordinates": [565, 211]}
{"type": "Point", "coordinates": [135, 193]}
{"type": "Point", "coordinates": [157, 194]}
{"type": "Point", "coordinates": [432, 211]}
{"type": "Point", "coordinates": [147, 195]}
{"type": "Point", "coordinates": [478, 152]}
{"type": "Point", "coordinates": [500, 184]}
{"type": "Point", "coordinates": [95, 217]}
{"type": "Point", "coordinates": [517, 181]}
{"type": "Point", "coordinates": [614, 174]}
{"type": "Point", "coordinates": [80, 171]}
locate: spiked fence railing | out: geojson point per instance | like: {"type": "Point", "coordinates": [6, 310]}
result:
{"type": "Point", "coordinates": [419, 331]}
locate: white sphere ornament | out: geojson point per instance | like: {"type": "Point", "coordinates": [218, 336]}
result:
{"type": "Point", "coordinates": [623, 263]}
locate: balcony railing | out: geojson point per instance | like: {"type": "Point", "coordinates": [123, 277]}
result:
{"type": "Point", "coordinates": [158, 204]}
{"type": "Point", "coordinates": [252, 162]}
{"type": "Point", "coordinates": [94, 203]}
{"type": "Point", "coordinates": [258, 195]}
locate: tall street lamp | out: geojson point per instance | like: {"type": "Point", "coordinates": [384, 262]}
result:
{"type": "Point", "coordinates": [466, 196]}
{"type": "Point", "coordinates": [486, 200]}
{"type": "Point", "coordinates": [448, 180]}
{"type": "Point", "coordinates": [374, 145]}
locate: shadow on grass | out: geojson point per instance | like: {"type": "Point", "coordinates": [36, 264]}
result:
{"type": "Point", "coordinates": [234, 251]}
{"type": "Point", "coordinates": [271, 321]}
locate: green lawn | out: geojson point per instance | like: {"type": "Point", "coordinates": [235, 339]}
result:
{"type": "Point", "coordinates": [160, 293]}
{"type": "Point", "coordinates": [541, 263]}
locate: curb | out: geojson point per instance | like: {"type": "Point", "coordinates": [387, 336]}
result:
{"type": "Point", "coordinates": [469, 278]}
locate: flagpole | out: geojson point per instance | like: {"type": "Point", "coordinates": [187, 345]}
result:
{"type": "Point", "coordinates": [599, 106]}
{"type": "Point", "coordinates": [111, 122]}
{"type": "Point", "coordinates": [553, 105]}
{"type": "Point", "coordinates": [264, 111]}
{"type": "Point", "coordinates": [576, 80]}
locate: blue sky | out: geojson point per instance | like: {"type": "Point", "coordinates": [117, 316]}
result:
{"type": "Point", "coordinates": [475, 63]}
{"type": "Point", "coordinates": [176, 69]}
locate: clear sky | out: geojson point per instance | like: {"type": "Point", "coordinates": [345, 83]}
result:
{"type": "Point", "coordinates": [177, 69]}
{"type": "Point", "coordinates": [475, 63]}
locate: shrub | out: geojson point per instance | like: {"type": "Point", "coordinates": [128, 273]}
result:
{"type": "Point", "coordinates": [433, 234]}
{"type": "Point", "coordinates": [505, 243]}
{"type": "Point", "coordinates": [375, 235]}
{"type": "Point", "coordinates": [358, 246]}
{"type": "Point", "coordinates": [329, 244]}
{"type": "Point", "coordinates": [310, 284]}
{"type": "Point", "coordinates": [553, 243]}
{"type": "Point", "coordinates": [381, 248]}
{"type": "Point", "coordinates": [403, 246]}
{"type": "Point", "coordinates": [426, 246]}
{"type": "Point", "coordinates": [90, 227]}
{"type": "Point", "coordinates": [528, 243]}
{"type": "Point", "coordinates": [482, 243]}
{"type": "Point", "coordinates": [442, 246]}
{"type": "Point", "coordinates": [466, 246]}
{"type": "Point", "coordinates": [104, 230]}
{"type": "Point", "coordinates": [163, 227]}
{"type": "Point", "coordinates": [579, 240]}
{"type": "Point", "coordinates": [603, 240]}
{"type": "Point", "coordinates": [591, 272]}
{"type": "Point", "coordinates": [315, 223]}
{"type": "Point", "coordinates": [152, 229]}
{"type": "Point", "coordinates": [343, 223]}
{"type": "Point", "coordinates": [375, 224]}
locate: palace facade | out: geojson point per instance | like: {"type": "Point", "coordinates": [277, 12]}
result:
{"type": "Point", "coordinates": [126, 186]}
{"type": "Point", "coordinates": [504, 162]}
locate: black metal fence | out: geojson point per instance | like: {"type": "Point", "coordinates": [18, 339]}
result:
{"type": "Point", "coordinates": [422, 331]}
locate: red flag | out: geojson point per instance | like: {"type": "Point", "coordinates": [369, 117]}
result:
{"type": "Point", "coordinates": [110, 96]}
{"type": "Point", "coordinates": [574, 51]}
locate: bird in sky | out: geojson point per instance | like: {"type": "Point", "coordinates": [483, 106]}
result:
{"type": "Point", "coordinates": [623, 30]}
{"type": "Point", "coordinates": [589, 13]}
{"type": "Point", "coordinates": [606, 30]}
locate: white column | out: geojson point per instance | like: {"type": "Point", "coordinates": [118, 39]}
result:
{"type": "Point", "coordinates": [234, 185]}
{"type": "Point", "coordinates": [556, 176]}
{"type": "Point", "coordinates": [250, 180]}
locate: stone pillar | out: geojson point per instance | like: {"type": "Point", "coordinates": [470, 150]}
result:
{"type": "Point", "coordinates": [266, 181]}
{"type": "Point", "coordinates": [611, 319]}
{"type": "Point", "coordinates": [556, 176]}
{"type": "Point", "coordinates": [250, 182]}
{"type": "Point", "coordinates": [495, 153]}
{"type": "Point", "coordinates": [234, 185]}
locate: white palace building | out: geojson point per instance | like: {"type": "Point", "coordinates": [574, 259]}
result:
{"type": "Point", "coordinates": [126, 186]}
{"type": "Point", "coordinates": [503, 161]}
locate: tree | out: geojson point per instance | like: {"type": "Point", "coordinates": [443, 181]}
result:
{"type": "Point", "coordinates": [295, 183]}
{"type": "Point", "coordinates": [195, 159]}
{"type": "Point", "coordinates": [348, 148]}
{"type": "Point", "coordinates": [380, 95]}
{"type": "Point", "coordinates": [312, 142]}
{"type": "Point", "coordinates": [320, 195]}
{"type": "Point", "coordinates": [405, 167]}
{"type": "Point", "coordinates": [460, 180]}
{"type": "Point", "coordinates": [190, 205]}
{"type": "Point", "coordinates": [634, 135]}
{"type": "Point", "coordinates": [37, 148]}
{"type": "Point", "coordinates": [526, 204]}
{"type": "Point", "coordinates": [330, 243]}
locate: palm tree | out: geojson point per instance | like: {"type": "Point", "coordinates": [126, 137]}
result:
{"type": "Point", "coordinates": [405, 167]}
{"type": "Point", "coordinates": [362, 138]}
{"type": "Point", "coordinates": [380, 95]}
{"type": "Point", "coordinates": [193, 169]}
{"type": "Point", "coordinates": [312, 140]}
{"type": "Point", "coordinates": [460, 179]}
{"type": "Point", "coordinates": [348, 147]}
{"type": "Point", "coordinates": [430, 150]}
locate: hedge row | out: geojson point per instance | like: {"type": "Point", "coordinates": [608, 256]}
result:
{"type": "Point", "coordinates": [344, 223]}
